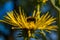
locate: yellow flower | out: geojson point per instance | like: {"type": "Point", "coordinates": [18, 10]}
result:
{"type": "Point", "coordinates": [34, 22]}
{"type": "Point", "coordinates": [44, 1]}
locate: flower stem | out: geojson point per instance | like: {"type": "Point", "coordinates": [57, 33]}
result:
{"type": "Point", "coordinates": [27, 38]}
